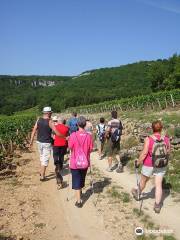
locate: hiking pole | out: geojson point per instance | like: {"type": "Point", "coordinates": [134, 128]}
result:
{"type": "Point", "coordinates": [138, 186]}
{"type": "Point", "coordinates": [137, 178]}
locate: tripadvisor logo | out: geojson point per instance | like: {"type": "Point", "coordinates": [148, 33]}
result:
{"type": "Point", "coordinates": [139, 231]}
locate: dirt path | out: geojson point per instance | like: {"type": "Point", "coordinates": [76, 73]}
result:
{"type": "Point", "coordinates": [69, 221]}
{"type": "Point", "coordinates": [30, 209]}
{"type": "Point", "coordinates": [169, 218]}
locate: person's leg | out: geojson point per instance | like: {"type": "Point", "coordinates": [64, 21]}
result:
{"type": "Point", "coordinates": [56, 161]}
{"type": "Point", "coordinates": [43, 171]}
{"type": "Point", "coordinates": [102, 147]}
{"type": "Point", "coordinates": [120, 164]}
{"type": "Point", "coordinates": [76, 185]}
{"type": "Point", "coordinates": [109, 152]}
{"type": "Point", "coordinates": [158, 188]}
{"type": "Point", "coordinates": [62, 152]}
{"type": "Point", "coordinates": [99, 148]}
{"type": "Point", "coordinates": [110, 158]}
{"type": "Point", "coordinates": [137, 192]}
{"type": "Point", "coordinates": [112, 153]}
{"type": "Point", "coordinates": [83, 177]}
{"type": "Point", "coordinates": [40, 150]}
{"type": "Point", "coordinates": [82, 173]}
{"type": "Point", "coordinates": [59, 166]}
{"type": "Point", "coordinates": [78, 195]}
{"type": "Point", "coordinates": [56, 155]}
{"type": "Point", "coordinates": [46, 154]}
{"type": "Point", "coordinates": [42, 166]}
{"type": "Point", "coordinates": [143, 182]}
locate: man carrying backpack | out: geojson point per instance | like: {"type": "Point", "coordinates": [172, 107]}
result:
{"type": "Point", "coordinates": [101, 131]}
{"type": "Point", "coordinates": [73, 123]}
{"type": "Point", "coordinates": [113, 134]}
{"type": "Point", "coordinates": [154, 158]}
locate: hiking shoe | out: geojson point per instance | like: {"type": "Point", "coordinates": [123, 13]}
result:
{"type": "Point", "coordinates": [59, 179]}
{"type": "Point", "coordinates": [119, 170]}
{"type": "Point", "coordinates": [157, 207]}
{"type": "Point", "coordinates": [135, 194]}
{"type": "Point", "coordinates": [43, 179]}
{"type": "Point", "coordinates": [109, 169]}
{"type": "Point", "coordinates": [78, 204]}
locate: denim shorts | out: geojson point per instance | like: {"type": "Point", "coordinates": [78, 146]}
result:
{"type": "Point", "coordinates": [148, 171]}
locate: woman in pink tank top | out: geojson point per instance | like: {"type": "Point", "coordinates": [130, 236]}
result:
{"type": "Point", "coordinates": [149, 167]}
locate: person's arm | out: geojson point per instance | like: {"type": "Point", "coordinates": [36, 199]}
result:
{"type": "Point", "coordinates": [91, 144]}
{"type": "Point", "coordinates": [33, 134]}
{"type": "Point", "coordinates": [168, 146]}
{"type": "Point", "coordinates": [70, 142]}
{"type": "Point", "coordinates": [53, 127]}
{"type": "Point", "coordinates": [108, 130]}
{"type": "Point", "coordinates": [144, 152]}
{"type": "Point", "coordinates": [96, 129]}
{"type": "Point", "coordinates": [121, 127]}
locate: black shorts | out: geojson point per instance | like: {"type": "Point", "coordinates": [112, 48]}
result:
{"type": "Point", "coordinates": [78, 178]}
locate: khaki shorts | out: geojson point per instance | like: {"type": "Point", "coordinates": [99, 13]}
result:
{"type": "Point", "coordinates": [44, 152]}
{"type": "Point", "coordinates": [149, 171]}
{"type": "Point", "coordinates": [112, 149]}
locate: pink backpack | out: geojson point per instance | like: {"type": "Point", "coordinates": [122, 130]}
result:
{"type": "Point", "coordinates": [81, 160]}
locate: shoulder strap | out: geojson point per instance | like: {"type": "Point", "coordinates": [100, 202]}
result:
{"type": "Point", "coordinates": [80, 145]}
{"type": "Point", "coordinates": [153, 137]}
{"type": "Point", "coordinates": [163, 137]}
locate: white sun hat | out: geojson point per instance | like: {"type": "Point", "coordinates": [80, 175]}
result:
{"type": "Point", "coordinates": [47, 110]}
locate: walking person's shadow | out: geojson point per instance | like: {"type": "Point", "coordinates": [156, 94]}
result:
{"type": "Point", "coordinates": [64, 172]}
{"type": "Point", "coordinates": [96, 188]}
{"type": "Point", "coordinates": [151, 195]}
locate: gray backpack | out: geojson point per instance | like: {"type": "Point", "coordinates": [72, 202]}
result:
{"type": "Point", "coordinates": [159, 153]}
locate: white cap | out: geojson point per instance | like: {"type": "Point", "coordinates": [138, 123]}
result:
{"type": "Point", "coordinates": [47, 109]}
{"type": "Point", "coordinates": [55, 118]}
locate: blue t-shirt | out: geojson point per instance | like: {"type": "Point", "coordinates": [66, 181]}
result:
{"type": "Point", "coordinates": [73, 126]}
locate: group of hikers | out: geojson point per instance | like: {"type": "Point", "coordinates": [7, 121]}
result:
{"type": "Point", "coordinates": [78, 136]}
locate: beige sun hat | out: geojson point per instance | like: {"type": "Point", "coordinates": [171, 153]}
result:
{"type": "Point", "coordinates": [55, 118]}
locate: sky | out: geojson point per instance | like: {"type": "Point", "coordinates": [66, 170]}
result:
{"type": "Point", "coordinates": [67, 37]}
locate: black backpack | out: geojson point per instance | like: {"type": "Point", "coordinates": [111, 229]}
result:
{"type": "Point", "coordinates": [116, 135]}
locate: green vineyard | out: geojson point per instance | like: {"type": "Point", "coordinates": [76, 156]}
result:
{"type": "Point", "coordinates": [160, 100]}
{"type": "Point", "coordinates": [14, 133]}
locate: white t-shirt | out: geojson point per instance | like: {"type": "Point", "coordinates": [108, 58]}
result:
{"type": "Point", "coordinates": [101, 127]}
